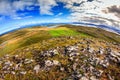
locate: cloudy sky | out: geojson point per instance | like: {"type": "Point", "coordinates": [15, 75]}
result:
{"type": "Point", "coordinates": [17, 13]}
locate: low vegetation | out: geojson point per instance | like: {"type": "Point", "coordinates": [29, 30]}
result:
{"type": "Point", "coordinates": [28, 36]}
{"type": "Point", "coordinates": [28, 46]}
{"type": "Point", "coordinates": [62, 31]}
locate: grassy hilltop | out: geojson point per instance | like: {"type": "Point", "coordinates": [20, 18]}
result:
{"type": "Point", "coordinates": [29, 36]}
{"type": "Point", "coordinates": [65, 52]}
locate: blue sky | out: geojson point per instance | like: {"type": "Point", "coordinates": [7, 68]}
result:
{"type": "Point", "coordinates": [17, 13]}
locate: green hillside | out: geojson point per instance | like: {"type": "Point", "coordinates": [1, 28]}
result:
{"type": "Point", "coordinates": [29, 36]}
{"type": "Point", "coordinates": [65, 52]}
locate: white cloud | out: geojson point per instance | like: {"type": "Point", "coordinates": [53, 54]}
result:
{"type": "Point", "coordinates": [21, 5]}
{"type": "Point", "coordinates": [59, 14]}
{"type": "Point", "coordinates": [81, 10]}
{"type": "Point", "coordinates": [17, 17]}
{"type": "Point", "coordinates": [59, 20]}
{"type": "Point", "coordinates": [46, 6]}
{"type": "Point", "coordinates": [10, 9]}
{"type": "Point", "coordinates": [6, 9]}
{"type": "Point", "coordinates": [86, 11]}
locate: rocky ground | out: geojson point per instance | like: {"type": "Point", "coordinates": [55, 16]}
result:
{"type": "Point", "coordinates": [84, 60]}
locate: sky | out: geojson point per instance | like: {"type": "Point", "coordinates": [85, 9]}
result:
{"type": "Point", "coordinates": [17, 13]}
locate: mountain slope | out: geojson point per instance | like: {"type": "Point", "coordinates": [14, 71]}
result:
{"type": "Point", "coordinates": [28, 36]}
{"type": "Point", "coordinates": [65, 52]}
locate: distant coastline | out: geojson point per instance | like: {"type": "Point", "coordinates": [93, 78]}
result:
{"type": "Point", "coordinates": [108, 28]}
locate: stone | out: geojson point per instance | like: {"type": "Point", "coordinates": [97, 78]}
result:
{"type": "Point", "coordinates": [93, 78]}
{"type": "Point", "coordinates": [108, 50]}
{"type": "Point", "coordinates": [16, 55]}
{"type": "Point", "coordinates": [79, 75]}
{"type": "Point", "coordinates": [12, 72]}
{"type": "Point", "coordinates": [118, 59]}
{"type": "Point", "coordinates": [76, 75]}
{"type": "Point", "coordinates": [91, 69]}
{"type": "Point", "coordinates": [83, 50]}
{"type": "Point", "coordinates": [48, 63]}
{"type": "Point", "coordinates": [62, 68]}
{"type": "Point", "coordinates": [71, 58]}
{"type": "Point", "coordinates": [84, 78]}
{"type": "Point", "coordinates": [91, 50]}
{"type": "Point", "coordinates": [46, 54]}
{"type": "Point", "coordinates": [28, 61]}
{"type": "Point", "coordinates": [101, 50]}
{"type": "Point", "coordinates": [96, 60]}
{"type": "Point", "coordinates": [117, 53]}
{"type": "Point", "coordinates": [88, 47]}
{"type": "Point", "coordinates": [74, 66]}
{"type": "Point", "coordinates": [8, 63]}
{"type": "Point", "coordinates": [51, 52]}
{"type": "Point", "coordinates": [37, 68]}
{"type": "Point", "coordinates": [23, 72]}
{"type": "Point", "coordinates": [104, 63]}
{"type": "Point", "coordinates": [100, 72]}
{"type": "Point", "coordinates": [113, 54]}
{"type": "Point", "coordinates": [1, 62]}
{"type": "Point", "coordinates": [54, 52]}
{"type": "Point", "coordinates": [76, 60]}
{"type": "Point", "coordinates": [7, 56]}
{"type": "Point", "coordinates": [73, 54]}
{"type": "Point", "coordinates": [17, 66]}
{"type": "Point", "coordinates": [55, 62]}
{"type": "Point", "coordinates": [71, 49]}
{"type": "Point", "coordinates": [110, 78]}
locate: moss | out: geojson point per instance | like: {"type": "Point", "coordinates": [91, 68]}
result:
{"type": "Point", "coordinates": [62, 32]}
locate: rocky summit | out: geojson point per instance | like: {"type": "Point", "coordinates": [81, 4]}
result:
{"type": "Point", "coordinates": [68, 57]}
{"type": "Point", "coordinates": [73, 62]}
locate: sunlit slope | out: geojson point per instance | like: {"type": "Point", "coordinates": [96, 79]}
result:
{"type": "Point", "coordinates": [96, 33]}
{"type": "Point", "coordinates": [29, 36]}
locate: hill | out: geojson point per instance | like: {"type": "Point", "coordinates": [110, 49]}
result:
{"type": "Point", "coordinates": [60, 53]}
{"type": "Point", "coordinates": [28, 36]}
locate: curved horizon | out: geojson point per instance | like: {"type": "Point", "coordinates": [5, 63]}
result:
{"type": "Point", "coordinates": [18, 13]}
{"type": "Point", "coordinates": [104, 27]}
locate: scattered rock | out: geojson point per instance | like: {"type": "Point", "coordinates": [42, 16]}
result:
{"type": "Point", "coordinates": [93, 78]}
{"type": "Point", "coordinates": [55, 62]}
{"type": "Point", "coordinates": [81, 63]}
{"type": "Point", "coordinates": [36, 68]}
{"type": "Point", "coordinates": [84, 78]}
{"type": "Point", "coordinates": [48, 63]}
{"type": "Point", "coordinates": [23, 72]}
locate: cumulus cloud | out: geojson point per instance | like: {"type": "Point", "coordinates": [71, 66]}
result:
{"type": "Point", "coordinates": [6, 9]}
{"type": "Point", "coordinates": [94, 11]}
{"type": "Point", "coordinates": [59, 14]}
{"type": "Point", "coordinates": [114, 10]}
{"type": "Point", "coordinates": [10, 8]}
{"type": "Point", "coordinates": [21, 5]}
{"type": "Point", "coordinates": [46, 5]}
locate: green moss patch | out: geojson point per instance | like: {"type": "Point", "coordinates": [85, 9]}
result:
{"type": "Point", "coordinates": [62, 32]}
